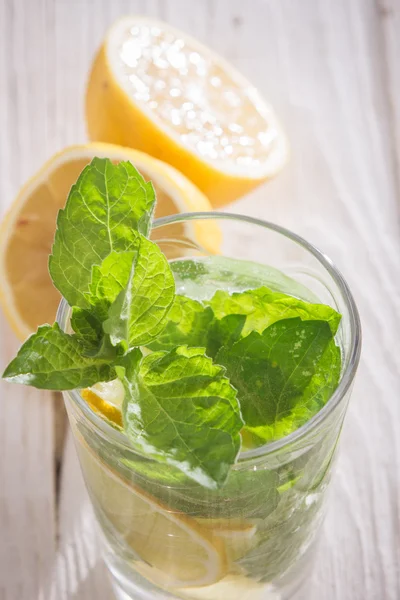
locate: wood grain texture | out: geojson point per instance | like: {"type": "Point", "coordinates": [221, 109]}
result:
{"type": "Point", "coordinates": [27, 484]}
{"type": "Point", "coordinates": [331, 69]}
{"type": "Point", "coordinates": [389, 16]}
{"type": "Point", "coordinates": [27, 499]}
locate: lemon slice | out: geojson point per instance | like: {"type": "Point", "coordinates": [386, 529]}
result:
{"type": "Point", "coordinates": [155, 88]}
{"type": "Point", "coordinates": [27, 294]}
{"type": "Point", "coordinates": [104, 408]}
{"type": "Point", "coordinates": [176, 545]}
{"type": "Point", "coordinates": [111, 392]}
{"type": "Point", "coordinates": [239, 536]}
{"type": "Point", "coordinates": [106, 399]}
{"type": "Point", "coordinates": [231, 587]}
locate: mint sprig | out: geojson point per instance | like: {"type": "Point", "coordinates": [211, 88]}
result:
{"type": "Point", "coordinates": [257, 363]}
{"type": "Point", "coordinates": [121, 289]}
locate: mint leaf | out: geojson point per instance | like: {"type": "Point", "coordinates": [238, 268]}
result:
{"type": "Point", "coordinates": [325, 379]}
{"type": "Point", "coordinates": [272, 370]}
{"type": "Point", "coordinates": [224, 332]}
{"type": "Point", "coordinates": [321, 387]}
{"type": "Point", "coordinates": [109, 279]}
{"type": "Point", "coordinates": [87, 327]}
{"type": "Point", "coordinates": [283, 536]}
{"type": "Point", "coordinates": [139, 312]}
{"type": "Point", "coordinates": [105, 209]}
{"type": "Point", "coordinates": [248, 493]}
{"type": "Point", "coordinates": [264, 307]}
{"type": "Point", "coordinates": [53, 360]}
{"type": "Point", "coordinates": [285, 531]}
{"type": "Point", "coordinates": [188, 324]}
{"type": "Point", "coordinates": [236, 315]}
{"type": "Point", "coordinates": [180, 409]}
{"type": "Point", "coordinates": [89, 330]}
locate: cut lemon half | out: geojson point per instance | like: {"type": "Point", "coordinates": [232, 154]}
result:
{"type": "Point", "coordinates": [155, 88]}
{"type": "Point", "coordinates": [172, 543]}
{"type": "Point", "coordinates": [27, 294]}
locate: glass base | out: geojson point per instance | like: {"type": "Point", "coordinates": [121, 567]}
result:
{"type": "Point", "coordinates": [127, 590]}
{"type": "Point", "coordinates": [292, 586]}
{"type": "Point", "coordinates": [121, 595]}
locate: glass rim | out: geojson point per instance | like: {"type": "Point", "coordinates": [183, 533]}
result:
{"type": "Point", "coordinates": [346, 377]}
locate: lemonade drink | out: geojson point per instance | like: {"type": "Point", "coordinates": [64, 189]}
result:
{"type": "Point", "coordinates": [206, 394]}
{"type": "Point", "coordinates": [163, 531]}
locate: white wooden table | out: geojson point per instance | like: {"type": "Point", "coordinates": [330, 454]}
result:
{"type": "Point", "coordinates": [331, 68]}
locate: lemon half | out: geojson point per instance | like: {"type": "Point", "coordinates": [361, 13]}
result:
{"type": "Point", "coordinates": [157, 89]}
{"type": "Point", "coordinates": [27, 294]}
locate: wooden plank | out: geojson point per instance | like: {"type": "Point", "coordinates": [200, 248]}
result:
{"type": "Point", "coordinates": [27, 515]}
{"type": "Point", "coordinates": [339, 191]}
{"type": "Point", "coordinates": [388, 13]}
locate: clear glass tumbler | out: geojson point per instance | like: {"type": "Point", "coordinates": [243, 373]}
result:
{"type": "Point", "coordinates": [165, 536]}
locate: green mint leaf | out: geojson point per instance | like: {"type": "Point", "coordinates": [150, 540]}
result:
{"type": "Point", "coordinates": [95, 343]}
{"type": "Point", "coordinates": [321, 387]}
{"type": "Point", "coordinates": [108, 280]}
{"type": "Point", "coordinates": [187, 325]}
{"type": "Point", "coordinates": [283, 536]}
{"type": "Point", "coordinates": [180, 409]}
{"type": "Point", "coordinates": [325, 379]}
{"type": "Point", "coordinates": [190, 323]}
{"type": "Point", "coordinates": [53, 360]}
{"type": "Point", "coordinates": [105, 209]}
{"type": "Point", "coordinates": [86, 326]}
{"type": "Point", "coordinates": [271, 370]}
{"type": "Point", "coordinates": [245, 492]}
{"type": "Point", "coordinates": [236, 315]}
{"type": "Point", "coordinates": [285, 531]}
{"type": "Point", "coordinates": [224, 332]}
{"type": "Point", "coordinates": [139, 313]}
{"type": "Point", "coordinates": [264, 307]}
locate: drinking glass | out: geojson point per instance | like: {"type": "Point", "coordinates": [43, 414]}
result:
{"type": "Point", "coordinates": [163, 535]}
